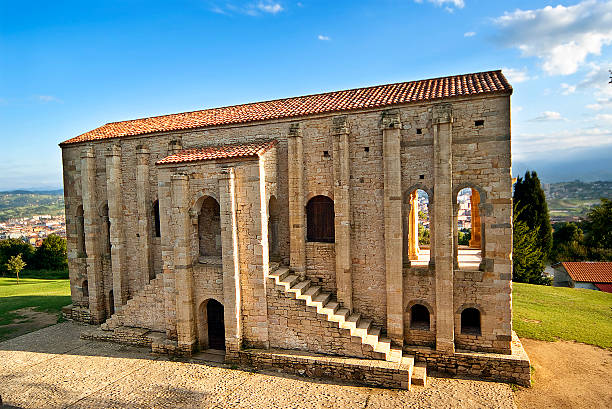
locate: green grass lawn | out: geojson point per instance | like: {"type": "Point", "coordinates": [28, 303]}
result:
{"type": "Point", "coordinates": [44, 295]}
{"type": "Point", "coordinates": [551, 313]}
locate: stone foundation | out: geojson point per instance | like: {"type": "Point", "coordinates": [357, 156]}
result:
{"type": "Point", "coordinates": [362, 371]}
{"type": "Point", "coordinates": [513, 368]}
{"type": "Point", "coordinates": [76, 313]}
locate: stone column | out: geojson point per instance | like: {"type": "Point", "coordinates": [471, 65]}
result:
{"type": "Point", "coordinates": [413, 227]}
{"type": "Point", "coordinates": [231, 266]}
{"type": "Point", "coordinates": [443, 231]}
{"type": "Point", "coordinates": [117, 236]}
{"type": "Point", "coordinates": [143, 201]}
{"type": "Point", "coordinates": [297, 220]}
{"type": "Point", "coordinates": [186, 330]}
{"type": "Point", "coordinates": [95, 276]}
{"type": "Point", "coordinates": [164, 195]}
{"type": "Point", "coordinates": [342, 209]}
{"type": "Point", "coordinates": [475, 240]}
{"type": "Point", "coordinates": [393, 226]}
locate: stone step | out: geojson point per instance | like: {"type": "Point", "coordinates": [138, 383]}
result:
{"type": "Point", "coordinates": [321, 299]}
{"type": "Point", "coordinates": [371, 338]}
{"type": "Point", "coordinates": [419, 374]}
{"type": "Point", "coordinates": [351, 321]}
{"type": "Point", "coordinates": [330, 308]}
{"type": "Point", "coordinates": [280, 273]}
{"type": "Point", "coordinates": [340, 315]}
{"type": "Point", "coordinates": [300, 287]}
{"type": "Point", "coordinates": [289, 281]}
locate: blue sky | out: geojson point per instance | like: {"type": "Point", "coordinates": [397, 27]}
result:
{"type": "Point", "coordinates": [70, 66]}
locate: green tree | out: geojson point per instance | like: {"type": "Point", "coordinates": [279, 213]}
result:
{"type": "Point", "coordinates": [465, 235]}
{"type": "Point", "coordinates": [599, 225]}
{"type": "Point", "coordinates": [52, 253]}
{"type": "Point", "coordinates": [14, 247]}
{"type": "Point", "coordinates": [527, 257]}
{"type": "Point", "coordinates": [15, 264]}
{"type": "Point", "coordinates": [531, 207]}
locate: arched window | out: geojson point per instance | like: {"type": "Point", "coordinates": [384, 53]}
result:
{"type": "Point", "coordinates": [419, 317]}
{"type": "Point", "coordinates": [85, 289]}
{"type": "Point", "coordinates": [416, 228]}
{"type": "Point", "coordinates": [320, 219]}
{"type": "Point", "coordinates": [469, 245]}
{"type": "Point", "coordinates": [209, 227]}
{"type": "Point", "coordinates": [157, 225]}
{"type": "Point", "coordinates": [470, 321]}
{"type": "Point", "coordinates": [107, 229]}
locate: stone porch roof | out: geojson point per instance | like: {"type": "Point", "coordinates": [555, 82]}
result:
{"type": "Point", "coordinates": [490, 82]}
{"type": "Point", "coordinates": [242, 150]}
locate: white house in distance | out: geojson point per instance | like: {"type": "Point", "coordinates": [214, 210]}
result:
{"type": "Point", "coordinates": [592, 275]}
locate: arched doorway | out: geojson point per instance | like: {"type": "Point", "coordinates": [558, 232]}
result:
{"type": "Point", "coordinates": [216, 324]}
{"type": "Point", "coordinates": [273, 229]}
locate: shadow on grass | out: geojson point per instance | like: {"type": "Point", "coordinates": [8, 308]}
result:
{"type": "Point", "coordinates": [45, 303]}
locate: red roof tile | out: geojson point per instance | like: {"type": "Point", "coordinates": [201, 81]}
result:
{"type": "Point", "coordinates": [361, 98]}
{"type": "Point", "coordinates": [607, 288]}
{"type": "Point", "coordinates": [589, 271]}
{"type": "Point", "coordinates": [219, 152]}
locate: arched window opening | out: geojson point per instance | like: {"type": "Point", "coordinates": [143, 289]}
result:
{"type": "Point", "coordinates": [320, 219]}
{"type": "Point", "coordinates": [209, 228]}
{"type": "Point", "coordinates": [470, 321]}
{"type": "Point", "coordinates": [419, 317]}
{"type": "Point", "coordinates": [80, 232]}
{"type": "Point", "coordinates": [273, 228]}
{"type": "Point", "coordinates": [106, 229]}
{"type": "Point", "coordinates": [111, 302]}
{"type": "Point", "coordinates": [85, 289]}
{"type": "Point", "coordinates": [416, 228]}
{"type": "Point", "coordinates": [469, 236]}
{"type": "Point", "coordinates": [157, 224]}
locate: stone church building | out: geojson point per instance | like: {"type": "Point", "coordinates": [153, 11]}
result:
{"type": "Point", "coordinates": [286, 233]}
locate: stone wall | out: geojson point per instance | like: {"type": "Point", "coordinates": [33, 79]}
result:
{"type": "Point", "coordinates": [295, 326]}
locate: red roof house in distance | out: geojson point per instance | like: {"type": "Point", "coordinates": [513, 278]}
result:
{"type": "Point", "coordinates": [592, 275]}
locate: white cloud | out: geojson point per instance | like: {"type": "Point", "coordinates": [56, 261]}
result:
{"type": "Point", "coordinates": [561, 37]}
{"type": "Point", "coordinates": [323, 38]}
{"type": "Point", "coordinates": [47, 98]}
{"type": "Point", "coordinates": [598, 79]}
{"type": "Point", "coordinates": [517, 109]}
{"type": "Point", "coordinates": [249, 8]}
{"type": "Point", "coordinates": [515, 75]}
{"type": "Point", "coordinates": [548, 116]}
{"type": "Point", "coordinates": [449, 4]}
{"type": "Point", "coordinates": [270, 7]}
{"type": "Point", "coordinates": [526, 145]}
{"type": "Point", "coordinates": [568, 89]}
{"type": "Point", "coordinates": [604, 118]}
{"type": "Point", "coordinates": [469, 34]}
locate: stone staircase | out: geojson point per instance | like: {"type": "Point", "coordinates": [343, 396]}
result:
{"type": "Point", "coordinates": [359, 327]}
{"type": "Point", "coordinates": [144, 310]}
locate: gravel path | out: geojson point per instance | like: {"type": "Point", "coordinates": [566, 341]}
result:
{"type": "Point", "coordinates": [53, 368]}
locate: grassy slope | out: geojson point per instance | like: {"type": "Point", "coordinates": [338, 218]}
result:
{"type": "Point", "coordinates": [550, 313]}
{"type": "Point", "coordinates": [44, 295]}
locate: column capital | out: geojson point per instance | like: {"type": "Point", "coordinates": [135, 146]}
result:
{"type": "Point", "coordinates": [88, 152]}
{"type": "Point", "coordinates": [340, 125]}
{"type": "Point", "coordinates": [142, 150]}
{"type": "Point", "coordinates": [114, 150]}
{"type": "Point", "coordinates": [295, 130]}
{"type": "Point", "coordinates": [179, 176]}
{"type": "Point", "coordinates": [442, 114]}
{"type": "Point", "coordinates": [390, 119]}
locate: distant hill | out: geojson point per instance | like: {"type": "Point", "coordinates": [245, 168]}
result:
{"type": "Point", "coordinates": [570, 200]}
{"type": "Point", "coordinates": [23, 203]}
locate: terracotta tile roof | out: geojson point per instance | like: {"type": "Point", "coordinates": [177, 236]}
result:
{"type": "Point", "coordinates": [606, 288]}
{"type": "Point", "coordinates": [219, 152]}
{"type": "Point", "coordinates": [589, 271]}
{"type": "Point", "coordinates": [361, 98]}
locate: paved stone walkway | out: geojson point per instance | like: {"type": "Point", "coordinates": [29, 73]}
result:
{"type": "Point", "coordinates": [53, 368]}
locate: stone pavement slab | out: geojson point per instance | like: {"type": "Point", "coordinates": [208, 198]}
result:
{"type": "Point", "coordinates": [53, 368]}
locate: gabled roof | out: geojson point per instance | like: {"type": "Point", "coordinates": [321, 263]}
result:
{"type": "Point", "coordinates": [589, 271]}
{"type": "Point", "coordinates": [490, 82]}
{"type": "Point", "coordinates": [242, 150]}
